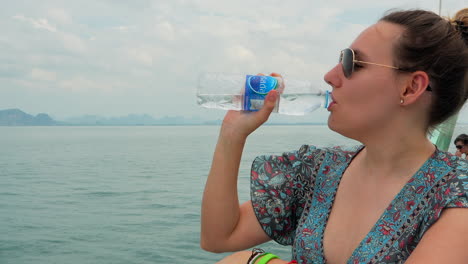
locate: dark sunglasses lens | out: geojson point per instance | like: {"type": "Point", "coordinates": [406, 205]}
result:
{"type": "Point", "coordinates": [459, 146]}
{"type": "Point", "coordinates": [346, 59]}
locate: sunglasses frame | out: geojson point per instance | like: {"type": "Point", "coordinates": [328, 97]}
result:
{"type": "Point", "coordinates": [353, 56]}
{"type": "Point", "coordinates": [459, 146]}
{"type": "Point", "coordinates": [347, 72]}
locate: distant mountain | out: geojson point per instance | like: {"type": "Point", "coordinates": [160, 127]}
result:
{"type": "Point", "coordinates": [132, 120]}
{"type": "Point", "coordinates": [16, 117]}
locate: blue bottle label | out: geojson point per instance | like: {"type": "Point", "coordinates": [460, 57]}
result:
{"type": "Point", "coordinates": [256, 88]}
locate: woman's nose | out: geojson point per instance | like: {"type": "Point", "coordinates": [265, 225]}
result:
{"type": "Point", "coordinates": [334, 76]}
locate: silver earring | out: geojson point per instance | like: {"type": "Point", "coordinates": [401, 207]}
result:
{"type": "Point", "coordinates": [402, 101]}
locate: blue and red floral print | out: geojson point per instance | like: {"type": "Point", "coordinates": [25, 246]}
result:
{"type": "Point", "coordinates": [292, 196]}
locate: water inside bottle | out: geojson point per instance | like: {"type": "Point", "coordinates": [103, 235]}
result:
{"type": "Point", "coordinates": [300, 104]}
{"type": "Point", "coordinates": [226, 91]}
{"type": "Point", "coordinates": [220, 101]}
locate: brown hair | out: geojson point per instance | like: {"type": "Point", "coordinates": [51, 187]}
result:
{"type": "Point", "coordinates": [439, 47]}
{"type": "Point", "coordinates": [463, 138]}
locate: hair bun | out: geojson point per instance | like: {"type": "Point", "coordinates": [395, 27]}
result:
{"type": "Point", "coordinates": [462, 28]}
{"type": "Point", "coordinates": [460, 21]}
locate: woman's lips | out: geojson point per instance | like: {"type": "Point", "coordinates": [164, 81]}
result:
{"type": "Point", "coordinates": [333, 102]}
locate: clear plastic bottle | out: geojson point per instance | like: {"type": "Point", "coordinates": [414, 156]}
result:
{"type": "Point", "coordinates": [247, 92]}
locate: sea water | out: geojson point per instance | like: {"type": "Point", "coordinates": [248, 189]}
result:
{"type": "Point", "coordinates": [121, 194]}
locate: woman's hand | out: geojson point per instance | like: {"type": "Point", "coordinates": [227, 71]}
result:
{"type": "Point", "coordinates": [458, 153]}
{"type": "Point", "coordinates": [244, 123]}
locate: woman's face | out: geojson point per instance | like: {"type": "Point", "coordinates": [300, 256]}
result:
{"type": "Point", "coordinates": [464, 148]}
{"type": "Point", "coordinates": [368, 100]}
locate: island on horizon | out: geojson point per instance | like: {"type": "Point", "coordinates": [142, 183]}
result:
{"type": "Point", "coordinates": [17, 117]}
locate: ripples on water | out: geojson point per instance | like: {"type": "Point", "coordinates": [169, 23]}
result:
{"type": "Point", "coordinates": [119, 194]}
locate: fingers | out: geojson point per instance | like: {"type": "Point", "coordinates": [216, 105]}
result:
{"type": "Point", "coordinates": [274, 74]}
{"type": "Point", "coordinates": [268, 105]}
{"type": "Point", "coordinates": [271, 99]}
{"type": "Point", "coordinates": [278, 76]}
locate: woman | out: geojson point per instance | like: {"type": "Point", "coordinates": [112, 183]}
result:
{"type": "Point", "coordinates": [399, 78]}
{"type": "Point", "coordinates": [461, 143]}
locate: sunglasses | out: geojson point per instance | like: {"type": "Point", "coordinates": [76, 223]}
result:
{"type": "Point", "coordinates": [459, 146]}
{"type": "Point", "coordinates": [348, 62]}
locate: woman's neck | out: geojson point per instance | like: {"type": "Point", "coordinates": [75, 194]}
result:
{"type": "Point", "coordinates": [397, 155]}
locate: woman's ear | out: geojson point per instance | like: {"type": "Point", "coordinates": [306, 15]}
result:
{"type": "Point", "coordinates": [416, 85]}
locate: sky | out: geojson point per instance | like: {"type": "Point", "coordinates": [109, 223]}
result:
{"type": "Point", "coordinates": [114, 58]}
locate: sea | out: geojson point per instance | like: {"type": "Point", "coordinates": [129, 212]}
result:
{"type": "Point", "coordinates": [131, 194]}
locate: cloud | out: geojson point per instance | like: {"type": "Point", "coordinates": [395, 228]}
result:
{"type": "Point", "coordinates": [240, 53]}
{"type": "Point", "coordinates": [141, 55]}
{"type": "Point", "coordinates": [83, 84]}
{"type": "Point", "coordinates": [73, 43]}
{"type": "Point", "coordinates": [123, 29]}
{"type": "Point", "coordinates": [59, 15]}
{"type": "Point", "coordinates": [70, 41]}
{"type": "Point", "coordinates": [165, 31]}
{"type": "Point", "coordinates": [112, 46]}
{"type": "Point", "coordinates": [43, 75]}
{"type": "Point", "coordinates": [40, 23]}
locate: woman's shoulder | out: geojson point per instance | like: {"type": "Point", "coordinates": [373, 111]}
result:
{"type": "Point", "coordinates": [457, 165]}
{"type": "Point", "coordinates": [461, 165]}
{"type": "Point", "coordinates": [459, 168]}
{"type": "Point", "coordinates": [454, 181]}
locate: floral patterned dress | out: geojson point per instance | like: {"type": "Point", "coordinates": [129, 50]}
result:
{"type": "Point", "coordinates": [292, 196]}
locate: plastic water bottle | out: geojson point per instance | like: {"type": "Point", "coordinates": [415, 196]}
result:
{"type": "Point", "coordinates": [247, 93]}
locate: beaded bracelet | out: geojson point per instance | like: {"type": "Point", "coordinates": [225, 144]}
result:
{"type": "Point", "coordinates": [266, 258]}
{"type": "Point", "coordinates": [256, 253]}
{"type": "Point", "coordinates": [257, 257]}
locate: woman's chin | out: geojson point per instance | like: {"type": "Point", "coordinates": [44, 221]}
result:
{"type": "Point", "coordinates": [331, 124]}
{"type": "Point", "coordinates": [340, 128]}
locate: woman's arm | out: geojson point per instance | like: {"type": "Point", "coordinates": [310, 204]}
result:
{"type": "Point", "coordinates": [226, 226]}
{"type": "Point", "coordinates": [444, 242]}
